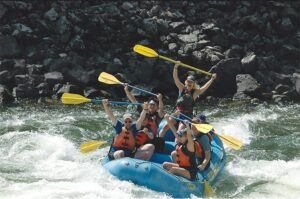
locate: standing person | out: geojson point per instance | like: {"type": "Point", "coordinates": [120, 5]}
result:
{"type": "Point", "coordinates": [189, 91]}
{"type": "Point", "coordinates": [184, 158]}
{"type": "Point", "coordinates": [204, 141]}
{"type": "Point", "coordinates": [124, 143]}
{"type": "Point", "coordinates": [152, 119]}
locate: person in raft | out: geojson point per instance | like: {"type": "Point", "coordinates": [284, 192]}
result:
{"type": "Point", "coordinates": [189, 91]}
{"type": "Point", "coordinates": [124, 143]}
{"type": "Point", "coordinates": [184, 158]}
{"type": "Point", "coordinates": [151, 121]}
{"type": "Point", "coordinates": [204, 141]}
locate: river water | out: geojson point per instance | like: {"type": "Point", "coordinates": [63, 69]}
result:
{"type": "Point", "coordinates": [39, 156]}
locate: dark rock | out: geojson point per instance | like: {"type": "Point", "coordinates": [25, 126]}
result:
{"type": "Point", "coordinates": [51, 15]}
{"type": "Point", "coordinates": [9, 47]}
{"type": "Point", "coordinates": [5, 77]}
{"type": "Point", "coordinates": [296, 82]}
{"type": "Point", "coordinates": [18, 5]}
{"type": "Point", "coordinates": [5, 95]}
{"type": "Point", "coordinates": [78, 75]}
{"type": "Point", "coordinates": [43, 90]}
{"type": "Point", "coordinates": [114, 66]}
{"type": "Point", "coordinates": [112, 10]}
{"type": "Point", "coordinates": [286, 25]}
{"type": "Point", "coordinates": [35, 69]}
{"type": "Point", "coordinates": [270, 63]}
{"type": "Point", "coordinates": [25, 91]}
{"type": "Point", "coordinates": [62, 25]}
{"type": "Point", "coordinates": [77, 44]}
{"type": "Point", "coordinates": [6, 64]}
{"type": "Point", "coordinates": [91, 92]}
{"type": "Point", "coordinates": [290, 52]}
{"type": "Point", "coordinates": [21, 28]}
{"type": "Point", "coordinates": [280, 98]}
{"type": "Point", "coordinates": [177, 26]}
{"type": "Point", "coordinates": [150, 27]}
{"type": "Point", "coordinates": [173, 47]}
{"type": "Point", "coordinates": [240, 96]}
{"type": "Point", "coordinates": [249, 63]}
{"type": "Point", "coordinates": [2, 11]}
{"type": "Point", "coordinates": [248, 85]}
{"type": "Point", "coordinates": [127, 6]}
{"type": "Point", "coordinates": [282, 88]}
{"type": "Point", "coordinates": [69, 88]}
{"type": "Point", "coordinates": [53, 78]}
{"type": "Point", "coordinates": [188, 38]}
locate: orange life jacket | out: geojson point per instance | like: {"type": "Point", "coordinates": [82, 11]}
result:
{"type": "Point", "coordinates": [185, 158]}
{"type": "Point", "coordinates": [141, 138]}
{"type": "Point", "coordinates": [125, 139]}
{"type": "Point", "coordinates": [198, 149]}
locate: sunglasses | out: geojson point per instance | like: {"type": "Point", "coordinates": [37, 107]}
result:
{"type": "Point", "coordinates": [128, 121]}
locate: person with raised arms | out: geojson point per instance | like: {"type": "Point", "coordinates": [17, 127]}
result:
{"type": "Point", "coordinates": [151, 121]}
{"type": "Point", "coordinates": [189, 91]}
{"type": "Point", "coordinates": [124, 142]}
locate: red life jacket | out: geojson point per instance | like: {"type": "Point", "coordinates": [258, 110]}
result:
{"type": "Point", "coordinates": [153, 123]}
{"type": "Point", "coordinates": [125, 139]}
{"type": "Point", "coordinates": [185, 158]}
{"type": "Point", "coordinates": [141, 138]}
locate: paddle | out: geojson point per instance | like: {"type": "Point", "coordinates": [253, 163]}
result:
{"type": "Point", "coordinates": [70, 98]}
{"type": "Point", "coordinates": [92, 145]}
{"type": "Point", "coordinates": [228, 140]}
{"type": "Point", "coordinates": [148, 52]}
{"type": "Point", "coordinates": [110, 79]}
{"type": "Point", "coordinates": [208, 190]}
{"type": "Point", "coordinates": [204, 128]}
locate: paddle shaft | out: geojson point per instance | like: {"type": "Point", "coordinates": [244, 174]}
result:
{"type": "Point", "coordinates": [96, 101]}
{"type": "Point", "coordinates": [184, 65]}
{"type": "Point", "coordinates": [136, 88]}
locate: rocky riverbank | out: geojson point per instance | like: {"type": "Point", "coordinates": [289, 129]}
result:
{"type": "Point", "coordinates": [51, 47]}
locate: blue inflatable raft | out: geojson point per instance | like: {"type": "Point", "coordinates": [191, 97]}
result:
{"type": "Point", "coordinates": [151, 174]}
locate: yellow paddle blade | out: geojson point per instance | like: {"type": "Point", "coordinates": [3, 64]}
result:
{"type": "Point", "coordinates": [208, 191]}
{"type": "Point", "coordinates": [231, 141]}
{"type": "Point", "coordinates": [91, 146]}
{"type": "Point", "coordinates": [148, 52]}
{"type": "Point", "coordinates": [203, 128]}
{"type": "Point", "coordinates": [69, 98]}
{"type": "Point", "coordinates": [108, 78]}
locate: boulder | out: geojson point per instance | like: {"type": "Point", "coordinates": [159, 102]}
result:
{"type": "Point", "coordinates": [6, 77]}
{"type": "Point", "coordinates": [248, 85]}
{"type": "Point", "coordinates": [53, 78]}
{"type": "Point", "coordinates": [9, 47]}
{"type": "Point", "coordinates": [26, 90]}
{"type": "Point", "coordinates": [51, 15]}
{"type": "Point", "coordinates": [69, 88]}
{"type": "Point", "coordinates": [5, 95]}
{"type": "Point", "coordinates": [296, 82]}
{"type": "Point", "coordinates": [280, 88]}
{"type": "Point", "coordinates": [280, 98]}
{"type": "Point", "coordinates": [249, 63]}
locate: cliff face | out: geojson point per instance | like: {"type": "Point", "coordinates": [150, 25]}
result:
{"type": "Point", "coordinates": [51, 47]}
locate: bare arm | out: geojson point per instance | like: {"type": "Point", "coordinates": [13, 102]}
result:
{"type": "Point", "coordinates": [161, 111]}
{"type": "Point", "coordinates": [205, 161]}
{"type": "Point", "coordinates": [129, 94]}
{"type": "Point", "coordinates": [178, 83]}
{"type": "Point", "coordinates": [171, 125]}
{"type": "Point", "coordinates": [142, 116]}
{"type": "Point", "coordinates": [201, 90]}
{"type": "Point", "coordinates": [190, 144]}
{"type": "Point", "coordinates": [109, 112]}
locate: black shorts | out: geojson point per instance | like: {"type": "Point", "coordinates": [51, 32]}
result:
{"type": "Point", "coordinates": [127, 152]}
{"type": "Point", "coordinates": [193, 173]}
{"type": "Point", "coordinates": [159, 144]}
